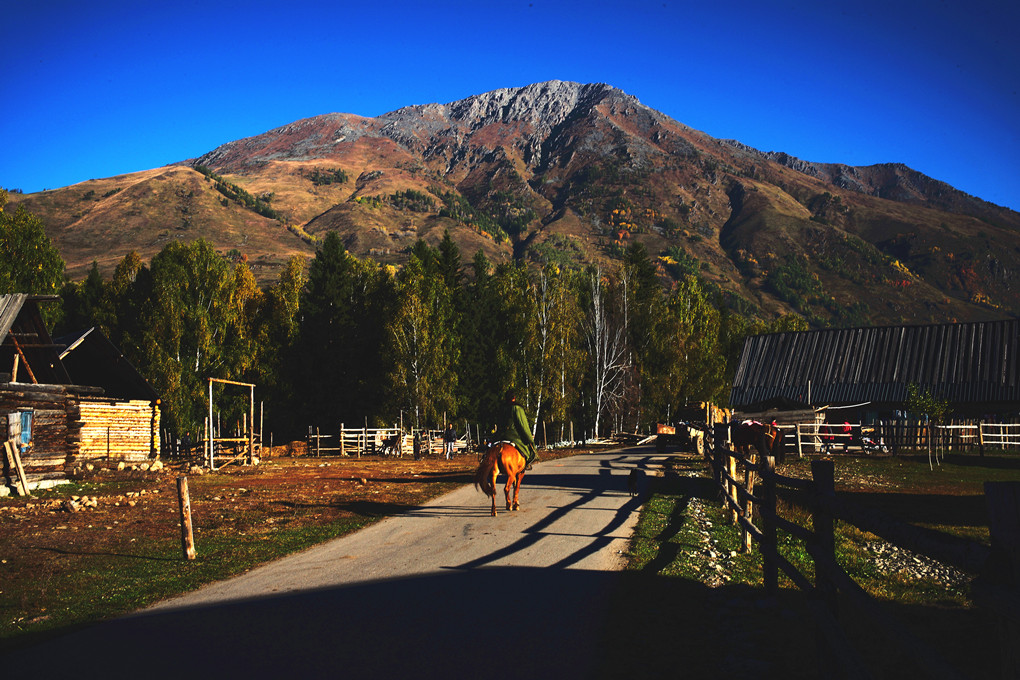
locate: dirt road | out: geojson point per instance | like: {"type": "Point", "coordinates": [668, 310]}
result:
{"type": "Point", "coordinates": [442, 591]}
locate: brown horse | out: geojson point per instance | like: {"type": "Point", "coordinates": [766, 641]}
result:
{"type": "Point", "coordinates": [506, 459]}
{"type": "Point", "coordinates": [765, 439]}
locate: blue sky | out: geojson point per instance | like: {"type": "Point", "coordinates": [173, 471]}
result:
{"type": "Point", "coordinates": [99, 89]}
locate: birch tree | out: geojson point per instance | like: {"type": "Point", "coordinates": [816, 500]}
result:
{"type": "Point", "coordinates": [425, 352]}
{"type": "Point", "coordinates": [607, 348]}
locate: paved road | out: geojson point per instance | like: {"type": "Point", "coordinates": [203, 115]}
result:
{"type": "Point", "coordinates": [437, 592]}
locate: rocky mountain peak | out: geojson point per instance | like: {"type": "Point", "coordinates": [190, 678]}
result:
{"type": "Point", "coordinates": [541, 107]}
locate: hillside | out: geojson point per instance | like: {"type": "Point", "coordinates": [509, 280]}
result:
{"type": "Point", "coordinates": [570, 173]}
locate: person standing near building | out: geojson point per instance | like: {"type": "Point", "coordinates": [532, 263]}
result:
{"type": "Point", "coordinates": [449, 439]}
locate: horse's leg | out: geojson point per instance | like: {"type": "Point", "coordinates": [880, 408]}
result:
{"type": "Point", "coordinates": [495, 473]}
{"type": "Point", "coordinates": [517, 490]}
{"type": "Point", "coordinates": [509, 485]}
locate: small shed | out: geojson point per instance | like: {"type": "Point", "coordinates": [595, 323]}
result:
{"type": "Point", "coordinates": [69, 421]}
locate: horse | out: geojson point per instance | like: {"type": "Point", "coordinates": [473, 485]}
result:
{"type": "Point", "coordinates": [504, 458]}
{"type": "Point", "coordinates": [767, 440]}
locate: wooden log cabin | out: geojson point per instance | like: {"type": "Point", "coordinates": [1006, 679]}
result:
{"type": "Point", "coordinates": [84, 400]}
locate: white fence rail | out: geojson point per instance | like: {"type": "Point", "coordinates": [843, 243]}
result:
{"type": "Point", "coordinates": [815, 438]}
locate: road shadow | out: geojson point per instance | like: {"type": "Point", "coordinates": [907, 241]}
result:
{"type": "Point", "coordinates": [492, 623]}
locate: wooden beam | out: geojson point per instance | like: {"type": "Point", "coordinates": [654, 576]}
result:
{"type": "Point", "coordinates": [28, 368]}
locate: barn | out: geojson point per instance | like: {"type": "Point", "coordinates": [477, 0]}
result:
{"type": "Point", "coordinates": [75, 401]}
{"type": "Point", "coordinates": [974, 366]}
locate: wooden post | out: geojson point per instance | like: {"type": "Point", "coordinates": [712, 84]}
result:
{"type": "Point", "coordinates": [342, 451]}
{"type": "Point", "coordinates": [825, 591]}
{"type": "Point", "coordinates": [317, 440]}
{"type": "Point", "coordinates": [770, 570]}
{"type": "Point", "coordinates": [800, 443]}
{"type": "Point", "coordinates": [731, 468]}
{"type": "Point", "coordinates": [749, 474]}
{"type": "Point", "coordinates": [209, 429]}
{"type": "Point", "coordinates": [251, 425]}
{"type": "Point", "coordinates": [14, 456]}
{"type": "Point", "coordinates": [718, 447]}
{"type": "Point", "coordinates": [24, 359]}
{"type": "Point", "coordinates": [1003, 500]}
{"type": "Point", "coordinates": [187, 536]}
{"type": "Point", "coordinates": [822, 471]}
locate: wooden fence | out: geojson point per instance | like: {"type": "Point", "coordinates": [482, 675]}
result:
{"type": "Point", "coordinates": [894, 435]}
{"type": "Point", "coordinates": [995, 566]}
{"type": "Point", "coordinates": [381, 441]}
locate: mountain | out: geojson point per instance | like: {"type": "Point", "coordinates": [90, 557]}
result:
{"type": "Point", "coordinates": [572, 173]}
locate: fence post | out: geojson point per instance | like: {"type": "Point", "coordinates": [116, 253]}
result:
{"type": "Point", "coordinates": [770, 570]}
{"type": "Point", "coordinates": [184, 504]}
{"type": "Point", "coordinates": [749, 472]}
{"type": "Point", "coordinates": [1003, 500]}
{"type": "Point", "coordinates": [731, 469]}
{"type": "Point", "coordinates": [800, 443]}
{"type": "Point", "coordinates": [718, 445]}
{"type": "Point", "coordinates": [822, 472]}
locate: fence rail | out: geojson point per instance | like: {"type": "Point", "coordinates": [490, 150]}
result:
{"type": "Point", "coordinates": [818, 496]}
{"type": "Point", "coordinates": [384, 441]}
{"type": "Point", "coordinates": [894, 435]}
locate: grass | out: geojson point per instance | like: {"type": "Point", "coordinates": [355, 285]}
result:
{"type": "Point", "coordinates": [684, 536]}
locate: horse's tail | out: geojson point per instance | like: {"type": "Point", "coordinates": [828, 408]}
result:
{"type": "Point", "coordinates": [483, 475]}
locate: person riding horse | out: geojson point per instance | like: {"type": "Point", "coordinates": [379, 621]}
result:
{"type": "Point", "coordinates": [513, 428]}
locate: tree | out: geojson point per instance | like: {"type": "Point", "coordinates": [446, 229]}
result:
{"type": "Point", "coordinates": [934, 410]}
{"type": "Point", "coordinates": [87, 304]}
{"type": "Point", "coordinates": [448, 261]}
{"type": "Point", "coordinates": [30, 263]}
{"type": "Point", "coordinates": [644, 308]}
{"type": "Point", "coordinates": [685, 351]}
{"type": "Point", "coordinates": [559, 329]}
{"type": "Point", "coordinates": [424, 348]}
{"type": "Point", "coordinates": [339, 352]}
{"type": "Point", "coordinates": [187, 314]}
{"type": "Point", "coordinates": [607, 349]}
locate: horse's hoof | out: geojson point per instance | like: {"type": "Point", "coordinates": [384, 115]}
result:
{"type": "Point", "coordinates": [517, 506]}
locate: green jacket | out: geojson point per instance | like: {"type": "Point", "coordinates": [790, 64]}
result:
{"type": "Point", "coordinates": [513, 427]}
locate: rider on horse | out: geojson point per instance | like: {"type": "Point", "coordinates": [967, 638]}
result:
{"type": "Point", "coordinates": [513, 428]}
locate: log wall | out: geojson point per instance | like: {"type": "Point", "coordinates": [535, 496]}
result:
{"type": "Point", "coordinates": [56, 425]}
{"type": "Point", "coordinates": [126, 430]}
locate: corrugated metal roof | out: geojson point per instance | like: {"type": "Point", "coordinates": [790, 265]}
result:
{"type": "Point", "coordinates": [963, 363]}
